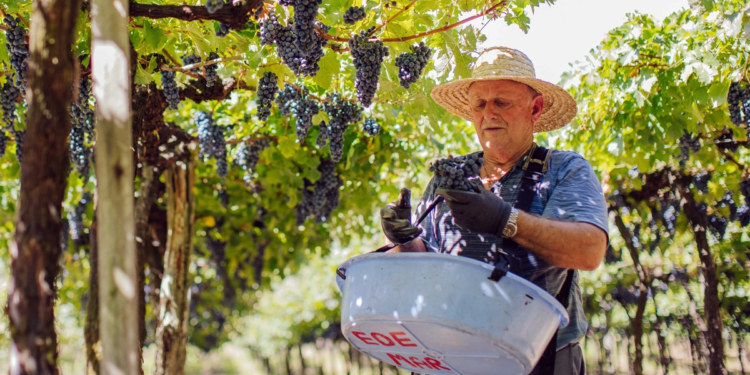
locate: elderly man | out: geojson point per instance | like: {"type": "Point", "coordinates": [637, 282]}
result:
{"type": "Point", "coordinates": [559, 224]}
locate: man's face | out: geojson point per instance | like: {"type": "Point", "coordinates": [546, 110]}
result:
{"type": "Point", "coordinates": [504, 113]}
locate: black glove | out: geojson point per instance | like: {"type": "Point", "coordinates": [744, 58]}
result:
{"type": "Point", "coordinates": [482, 212]}
{"type": "Point", "coordinates": [395, 218]}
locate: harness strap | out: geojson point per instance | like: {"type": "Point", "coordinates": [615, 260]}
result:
{"type": "Point", "coordinates": [546, 365]}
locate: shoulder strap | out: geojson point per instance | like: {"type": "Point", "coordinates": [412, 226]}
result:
{"type": "Point", "coordinates": [546, 364]}
{"type": "Point", "coordinates": [533, 171]}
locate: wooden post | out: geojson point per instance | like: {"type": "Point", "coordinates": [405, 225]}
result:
{"type": "Point", "coordinates": [174, 298]}
{"type": "Point", "coordinates": [35, 255]}
{"type": "Point", "coordinates": [118, 288]}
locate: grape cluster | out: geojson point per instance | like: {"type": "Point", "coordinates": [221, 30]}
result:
{"type": "Point", "coordinates": [171, 92]}
{"type": "Point", "coordinates": [304, 109]}
{"type": "Point", "coordinates": [700, 181]}
{"type": "Point", "coordinates": [213, 143]}
{"type": "Point", "coordinates": [212, 76]}
{"type": "Point", "coordinates": [411, 64]}
{"type": "Point", "coordinates": [18, 136]}
{"type": "Point", "coordinates": [15, 35]}
{"type": "Point", "coordinates": [247, 157]}
{"type": "Point", "coordinates": [322, 197]}
{"type": "Point", "coordinates": [341, 114]}
{"type": "Point", "coordinates": [82, 116]}
{"type": "Point", "coordinates": [304, 63]}
{"type": "Point", "coordinates": [75, 217]}
{"type": "Point", "coordinates": [267, 88]}
{"type": "Point", "coordinates": [743, 213]}
{"type": "Point", "coordinates": [191, 60]}
{"type": "Point", "coordinates": [368, 60]}
{"type": "Point", "coordinates": [305, 12]}
{"type": "Point", "coordinates": [734, 96]}
{"type": "Point", "coordinates": [213, 5]}
{"type": "Point", "coordinates": [286, 98]}
{"type": "Point", "coordinates": [370, 127]}
{"type": "Point", "coordinates": [456, 173]}
{"type": "Point", "coordinates": [223, 30]}
{"type": "Point", "coordinates": [718, 226]}
{"type": "Point", "coordinates": [270, 29]}
{"type": "Point", "coordinates": [322, 138]}
{"type": "Point", "coordinates": [688, 144]}
{"type": "Point", "coordinates": [3, 143]}
{"type": "Point", "coordinates": [8, 97]}
{"type": "Point", "coordinates": [354, 14]}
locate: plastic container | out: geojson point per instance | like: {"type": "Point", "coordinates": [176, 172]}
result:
{"type": "Point", "coordinates": [440, 314]}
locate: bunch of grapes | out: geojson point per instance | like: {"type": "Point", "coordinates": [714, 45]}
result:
{"type": "Point", "coordinates": [15, 34]}
{"type": "Point", "coordinates": [734, 96]}
{"type": "Point", "coordinates": [75, 217]}
{"type": "Point", "coordinates": [322, 139]}
{"type": "Point", "coordinates": [82, 116]}
{"type": "Point", "coordinates": [270, 29]}
{"type": "Point", "coordinates": [171, 92]}
{"type": "Point", "coordinates": [688, 144]}
{"type": "Point", "coordinates": [213, 5]}
{"type": "Point", "coordinates": [743, 215]}
{"type": "Point", "coordinates": [267, 88]}
{"type": "Point", "coordinates": [700, 181]}
{"type": "Point", "coordinates": [726, 142]}
{"type": "Point", "coordinates": [322, 197]}
{"type": "Point", "coordinates": [304, 109]}
{"type": "Point", "coordinates": [18, 136]}
{"type": "Point", "coordinates": [456, 173]}
{"type": "Point", "coordinates": [223, 30]}
{"type": "Point", "coordinates": [354, 14]}
{"type": "Point", "coordinates": [341, 114]}
{"type": "Point", "coordinates": [370, 127]}
{"type": "Point", "coordinates": [305, 12]}
{"type": "Point", "coordinates": [212, 76]}
{"type": "Point", "coordinates": [213, 143]}
{"type": "Point", "coordinates": [368, 60]}
{"type": "Point", "coordinates": [3, 143]}
{"type": "Point", "coordinates": [286, 98]}
{"type": "Point", "coordinates": [410, 65]}
{"type": "Point", "coordinates": [718, 226]}
{"type": "Point", "coordinates": [8, 97]}
{"type": "Point", "coordinates": [192, 60]}
{"type": "Point", "coordinates": [247, 157]}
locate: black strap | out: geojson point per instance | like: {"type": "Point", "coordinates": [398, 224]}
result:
{"type": "Point", "coordinates": [546, 365]}
{"type": "Point", "coordinates": [533, 170]}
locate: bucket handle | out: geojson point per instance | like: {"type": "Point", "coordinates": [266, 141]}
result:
{"type": "Point", "coordinates": [341, 272]}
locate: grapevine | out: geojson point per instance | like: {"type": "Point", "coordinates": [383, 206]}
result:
{"type": "Point", "coordinates": [745, 104]}
{"type": "Point", "coordinates": [3, 143]}
{"type": "Point", "coordinates": [267, 88]}
{"type": "Point", "coordinates": [305, 12]}
{"type": "Point", "coordinates": [82, 116]}
{"type": "Point", "coordinates": [171, 92]}
{"type": "Point", "coordinates": [212, 141]}
{"type": "Point", "coordinates": [18, 136]}
{"type": "Point", "coordinates": [368, 59]}
{"type": "Point", "coordinates": [304, 109]}
{"type": "Point", "coordinates": [8, 97]}
{"type": "Point", "coordinates": [212, 76]}
{"type": "Point", "coordinates": [688, 144]}
{"type": "Point", "coordinates": [286, 97]}
{"type": "Point", "coordinates": [301, 63]}
{"type": "Point", "coordinates": [354, 14]}
{"type": "Point", "coordinates": [457, 173]}
{"type": "Point", "coordinates": [370, 127]}
{"type": "Point", "coordinates": [322, 139]}
{"type": "Point", "coordinates": [411, 65]}
{"type": "Point", "coordinates": [18, 48]}
{"type": "Point", "coordinates": [75, 217]}
{"type": "Point", "coordinates": [322, 197]}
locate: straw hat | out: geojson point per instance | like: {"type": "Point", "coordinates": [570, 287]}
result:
{"type": "Point", "coordinates": [499, 63]}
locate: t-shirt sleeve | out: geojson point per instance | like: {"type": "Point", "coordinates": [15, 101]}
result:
{"type": "Point", "coordinates": [429, 234]}
{"type": "Point", "coordinates": [577, 195]}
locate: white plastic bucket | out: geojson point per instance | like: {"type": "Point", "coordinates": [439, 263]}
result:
{"type": "Point", "coordinates": [440, 314]}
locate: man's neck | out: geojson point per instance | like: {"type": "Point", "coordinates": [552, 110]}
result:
{"type": "Point", "coordinates": [496, 167]}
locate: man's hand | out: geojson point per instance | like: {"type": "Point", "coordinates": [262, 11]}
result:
{"type": "Point", "coordinates": [482, 212]}
{"type": "Point", "coordinates": [395, 218]}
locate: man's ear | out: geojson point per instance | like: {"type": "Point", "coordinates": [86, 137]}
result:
{"type": "Point", "coordinates": [537, 107]}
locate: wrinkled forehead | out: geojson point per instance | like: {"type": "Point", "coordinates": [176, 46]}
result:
{"type": "Point", "coordinates": [500, 87]}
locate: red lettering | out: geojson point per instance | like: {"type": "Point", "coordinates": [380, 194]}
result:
{"type": "Point", "coordinates": [401, 341]}
{"type": "Point", "coordinates": [416, 362]}
{"type": "Point", "coordinates": [387, 342]}
{"type": "Point", "coordinates": [363, 337]}
{"type": "Point", "coordinates": [434, 363]}
{"type": "Point", "coordinates": [396, 358]}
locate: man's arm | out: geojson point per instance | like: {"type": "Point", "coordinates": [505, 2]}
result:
{"type": "Point", "coordinates": [563, 244]}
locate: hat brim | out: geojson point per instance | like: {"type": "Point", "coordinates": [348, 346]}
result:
{"type": "Point", "coordinates": [559, 106]}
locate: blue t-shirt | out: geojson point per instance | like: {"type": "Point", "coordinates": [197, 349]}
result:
{"type": "Point", "coordinates": [569, 191]}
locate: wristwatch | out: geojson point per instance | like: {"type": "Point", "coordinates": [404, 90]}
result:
{"type": "Point", "coordinates": [512, 226]}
